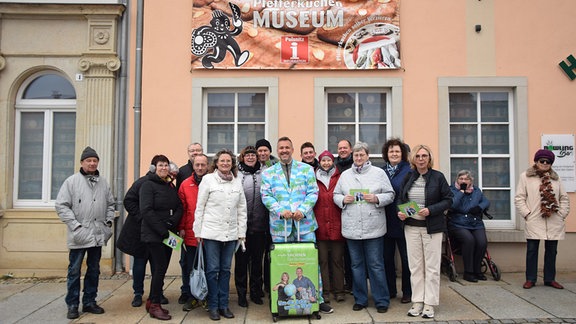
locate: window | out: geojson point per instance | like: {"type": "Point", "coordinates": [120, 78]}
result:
{"type": "Point", "coordinates": [235, 120]}
{"type": "Point", "coordinates": [236, 112]}
{"type": "Point", "coordinates": [480, 141]}
{"type": "Point", "coordinates": [357, 116]}
{"type": "Point", "coordinates": [365, 112]}
{"type": "Point", "coordinates": [45, 139]}
{"type": "Point", "coordinates": [483, 128]}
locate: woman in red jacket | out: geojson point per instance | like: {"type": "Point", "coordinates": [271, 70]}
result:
{"type": "Point", "coordinates": [329, 237]}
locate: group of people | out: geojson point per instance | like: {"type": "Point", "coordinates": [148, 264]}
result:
{"type": "Point", "coordinates": [352, 209]}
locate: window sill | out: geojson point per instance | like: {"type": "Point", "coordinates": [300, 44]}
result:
{"type": "Point", "coordinates": [505, 236]}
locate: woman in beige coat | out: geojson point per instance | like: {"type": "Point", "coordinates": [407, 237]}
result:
{"type": "Point", "coordinates": [544, 204]}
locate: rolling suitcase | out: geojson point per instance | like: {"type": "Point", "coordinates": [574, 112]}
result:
{"type": "Point", "coordinates": [294, 281]}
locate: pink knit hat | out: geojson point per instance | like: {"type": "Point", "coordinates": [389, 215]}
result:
{"type": "Point", "coordinates": [325, 153]}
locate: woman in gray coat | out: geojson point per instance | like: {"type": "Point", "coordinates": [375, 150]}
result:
{"type": "Point", "coordinates": [362, 192]}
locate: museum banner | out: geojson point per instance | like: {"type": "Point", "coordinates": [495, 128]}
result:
{"type": "Point", "coordinates": [296, 34]}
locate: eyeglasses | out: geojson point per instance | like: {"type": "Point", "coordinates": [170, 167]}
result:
{"type": "Point", "coordinates": [544, 161]}
{"type": "Point", "coordinates": [423, 156]}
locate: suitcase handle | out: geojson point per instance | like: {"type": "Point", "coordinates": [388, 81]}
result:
{"type": "Point", "coordinates": [286, 231]}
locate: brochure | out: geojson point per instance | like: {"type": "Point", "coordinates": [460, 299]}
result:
{"type": "Point", "coordinates": [359, 195]}
{"type": "Point", "coordinates": [174, 241]}
{"type": "Point", "coordinates": [410, 208]}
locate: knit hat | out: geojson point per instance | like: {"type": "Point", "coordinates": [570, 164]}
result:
{"type": "Point", "coordinates": [263, 142]}
{"type": "Point", "coordinates": [88, 152]}
{"type": "Point", "coordinates": [325, 153]}
{"type": "Point", "coordinates": [544, 154]}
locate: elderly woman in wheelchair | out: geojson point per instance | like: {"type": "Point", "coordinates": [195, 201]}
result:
{"type": "Point", "coordinates": [465, 224]}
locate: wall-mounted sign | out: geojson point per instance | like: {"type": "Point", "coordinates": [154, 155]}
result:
{"type": "Point", "coordinates": [569, 69]}
{"type": "Point", "coordinates": [563, 147]}
{"type": "Point", "coordinates": [296, 34]}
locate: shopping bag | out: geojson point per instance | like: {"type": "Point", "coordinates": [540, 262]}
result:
{"type": "Point", "coordinates": [198, 284]}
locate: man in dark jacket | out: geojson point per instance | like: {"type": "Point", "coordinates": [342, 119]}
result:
{"type": "Point", "coordinates": [186, 170]}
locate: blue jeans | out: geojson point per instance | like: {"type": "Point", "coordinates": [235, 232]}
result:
{"type": "Point", "coordinates": [366, 258]}
{"type": "Point", "coordinates": [186, 263]}
{"type": "Point", "coordinates": [138, 274]}
{"type": "Point", "coordinates": [90, 279]}
{"type": "Point", "coordinates": [218, 263]}
{"type": "Point", "coordinates": [550, 250]}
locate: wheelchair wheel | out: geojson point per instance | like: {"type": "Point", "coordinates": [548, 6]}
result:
{"type": "Point", "coordinates": [484, 265]}
{"type": "Point", "coordinates": [495, 271]}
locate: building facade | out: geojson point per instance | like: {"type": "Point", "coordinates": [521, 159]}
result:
{"type": "Point", "coordinates": [476, 81]}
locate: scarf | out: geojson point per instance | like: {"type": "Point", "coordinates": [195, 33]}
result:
{"type": "Point", "coordinates": [250, 169]}
{"type": "Point", "coordinates": [391, 169]}
{"type": "Point", "coordinates": [359, 168]}
{"type": "Point", "coordinates": [549, 203]}
{"type": "Point", "coordinates": [197, 178]}
{"type": "Point", "coordinates": [226, 177]}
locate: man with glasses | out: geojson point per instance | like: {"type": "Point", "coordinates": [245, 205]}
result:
{"type": "Point", "coordinates": [186, 170]}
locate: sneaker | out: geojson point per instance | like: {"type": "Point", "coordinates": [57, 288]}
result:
{"type": "Point", "coordinates": [190, 304]}
{"type": "Point", "coordinates": [416, 309]}
{"type": "Point", "coordinates": [204, 304]}
{"type": "Point", "coordinates": [428, 311]}
{"type": "Point", "coordinates": [137, 301]}
{"type": "Point", "coordinates": [326, 309]}
{"type": "Point", "coordinates": [72, 312]}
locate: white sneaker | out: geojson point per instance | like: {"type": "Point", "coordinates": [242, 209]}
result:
{"type": "Point", "coordinates": [428, 311]}
{"type": "Point", "coordinates": [416, 309]}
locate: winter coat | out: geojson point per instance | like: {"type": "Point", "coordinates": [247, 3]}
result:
{"type": "Point", "coordinates": [184, 173]}
{"type": "Point", "coordinates": [460, 216]}
{"type": "Point", "coordinates": [220, 210]}
{"type": "Point", "coordinates": [362, 220]}
{"type": "Point", "coordinates": [343, 164]}
{"type": "Point", "coordinates": [188, 194]}
{"type": "Point", "coordinates": [328, 215]}
{"type": "Point", "coordinates": [394, 226]}
{"type": "Point", "coordinates": [258, 220]}
{"type": "Point", "coordinates": [87, 208]}
{"type": "Point", "coordinates": [160, 207]}
{"type": "Point", "coordinates": [438, 198]}
{"type": "Point", "coordinates": [527, 201]}
{"type": "Point", "coordinates": [129, 240]}
{"type": "Point", "coordinates": [301, 195]}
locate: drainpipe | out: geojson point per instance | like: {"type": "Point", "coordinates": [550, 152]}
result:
{"type": "Point", "coordinates": [121, 125]}
{"type": "Point", "coordinates": [138, 87]}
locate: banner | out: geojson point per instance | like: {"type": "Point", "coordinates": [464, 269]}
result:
{"type": "Point", "coordinates": [563, 147]}
{"type": "Point", "coordinates": [296, 34]}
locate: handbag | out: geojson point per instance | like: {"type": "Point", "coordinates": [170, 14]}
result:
{"type": "Point", "coordinates": [198, 284]}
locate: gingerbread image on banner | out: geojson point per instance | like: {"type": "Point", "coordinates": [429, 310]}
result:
{"type": "Point", "coordinates": [212, 42]}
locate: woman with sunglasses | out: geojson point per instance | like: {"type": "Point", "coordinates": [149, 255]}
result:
{"type": "Point", "coordinates": [429, 190]}
{"type": "Point", "coordinates": [544, 204]}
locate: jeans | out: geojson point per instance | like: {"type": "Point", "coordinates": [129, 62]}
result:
{"type": "Point", "coordinates": [159, 254]}
{"type": "Point", "coordinates": [218, 263]}
{"type": "Point", "coordinates": [550, 250]}
{"type": "Point", "coordinates": [390, 244]}
{"type": "Point", "coordinates": [186, 263]}
{"type": "Point", "coordinates": [366, 258]}
{"type": "Point", "coordinates": [473, 245]}
{"type": "Point", "coordinates": [90, 279]}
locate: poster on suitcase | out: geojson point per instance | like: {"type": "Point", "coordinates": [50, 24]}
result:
{"type": "Point", "coordinates": [294, 279]}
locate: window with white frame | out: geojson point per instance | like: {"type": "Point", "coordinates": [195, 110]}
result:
{"type": "Point", "coordinates": [235, 119]}
{"type": "Point", "coordinates": [234, 112]}
{"type": "Point", "coordinates": [45, 139]}
{"type": "Point", "coordinates": [357, 109]}
{"type": "Point", "coordinates": [481, 140]}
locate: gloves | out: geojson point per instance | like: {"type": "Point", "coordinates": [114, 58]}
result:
{"type": "Point", "coordinates": [476, 210]}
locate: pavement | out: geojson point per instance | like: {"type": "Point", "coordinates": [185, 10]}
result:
{"type": "Point", "coordinates": [33, 300]}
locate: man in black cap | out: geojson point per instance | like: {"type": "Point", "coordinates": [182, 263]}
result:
{"type": "Point", "coordinates": [264, 150]}
{"type": "Point", "coordinates": [86, 205]}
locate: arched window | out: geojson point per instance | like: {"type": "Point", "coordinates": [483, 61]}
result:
{"type": "Point", "coordinates": [45, 139]}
